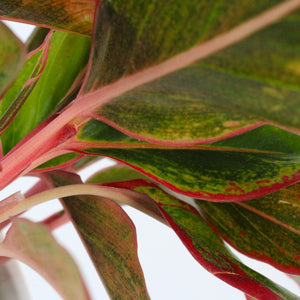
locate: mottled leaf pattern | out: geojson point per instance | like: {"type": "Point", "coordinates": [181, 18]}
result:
{"type": "Point", "coordinates": [131, 35]}
{"type": "Point", "coordinates": [211, 174]}
{"type": "Point", "coordinates": [34, 245]}
{"type": "Point", "coordinates": [206, 247]}
{"type": "Point", "coordinates": [110, 239]}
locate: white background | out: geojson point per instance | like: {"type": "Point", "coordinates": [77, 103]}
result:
{"type": "Point", "coordinates": [170, 271]}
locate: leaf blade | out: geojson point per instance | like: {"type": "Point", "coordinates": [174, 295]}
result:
{"type": "Point", "coordinates": [110, 239]}
{"type": "Point", "coordinates": [206, 247]}
{"type": "Point", "coordinates": [265, 228]}
{"type": "Point", "coordinates": [34, 245]}
{"type": "Point", "coordinates": [68, 55]}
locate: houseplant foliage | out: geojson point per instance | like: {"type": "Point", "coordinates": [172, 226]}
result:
{"type": "Point", "coordinates": [200, 98]}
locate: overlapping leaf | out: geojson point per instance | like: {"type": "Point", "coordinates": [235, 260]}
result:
{"type": "Point", "coordinates": [68, 55]}
{"type": "Point", "coordinates": [209, 172]}
{"type": "Point", "coordinates": [265, 228]}
{"type": "Point", "coordinates": [207, 248]}
{"type": "Point", "coordinates": [12, 57]}
{"type": "Point", "coordinates": [67, 14]}
{"type": "Point", "coordinates": [110, 239]}
{"type": "Point", "coordinates": [34, 245]}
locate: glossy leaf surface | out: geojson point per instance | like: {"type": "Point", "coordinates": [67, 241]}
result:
{"type": "Point", "coordinates": [12, 57]}
{"type": "Point", "coordinates": [34, 245]}
{"type": "Point", "coordinates": [206, 173]}
{"type": "Point", "coordinates": [68, 55]}
{"type": "Point", "coordinates": [66, 14]}
{"type": "Point", "coordinates": [110, 238]}
{"type": "Point", "coordinates": [206, 247]}
{"type": "Point", "coordinates": [265, 228]}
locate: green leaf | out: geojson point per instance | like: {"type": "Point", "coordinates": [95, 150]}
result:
{"type": "Point", "coordinates": [217, 98]}
{"type": "Point", "coordinates": [69, 15]}
{"type": "Point", "coordinates": [205, 246]}
{"type": "Point", "coordinates": [265, 228]}
{"type": "Point", "coordinates": [68, 55]}
{"type": "Point", "coordinates": [34, 245]}
{"type": "Point", "coordinates": [110, 238]}
{"type": "Point", "coordinates": [12, 57]}
{"type": "Point", "coordinates": [31, 72]}
{"type": "Point", "coordinates": [133, 35]}
{"type": "Point", "coordinates": [205, 172]}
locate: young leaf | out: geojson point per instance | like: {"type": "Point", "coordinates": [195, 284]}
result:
{"type": "Point", "coordinates": [266, 228]}
{"type": "Point", "coordinates": [66, 14]}
{"type": "Point", "coordinates": [34, 245]}
{"type": "Point", "coordinates": [68, 55]}
{"type": "Point", "coordinates": [206, 247]}
{"type": "Point", "coordinates": [110, 238]}
{"type": "Point", "coordinates": [12, 57]}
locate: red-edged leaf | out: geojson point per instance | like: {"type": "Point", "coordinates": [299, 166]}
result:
{"type": "Point", "coordinates": [110, 238]}
{"type": "Point", "coordinates": [206, 247]}
{"type": "Point", "coordinates": [65, 14]}
{"type": "Point", "coordinates": [222, 174]}
{"type": "Point", "coordinates": [12, 57]}
{"type": "Point", "coordinates": [34, 245]}
{"type": "Point", "coordinates": [221, 96]}
{"type": "Point", "coordinates": [265, 228]}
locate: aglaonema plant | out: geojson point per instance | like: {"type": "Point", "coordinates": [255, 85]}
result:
{"type": "Point", "coordinates": [192, 98]}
